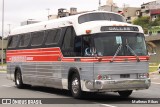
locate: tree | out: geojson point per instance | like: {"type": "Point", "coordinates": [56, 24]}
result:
{"type": "Point", "coordinates": [144, 22]}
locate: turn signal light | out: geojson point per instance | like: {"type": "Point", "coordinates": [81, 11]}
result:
{"type": "Point", "coordinates": [99, 77]}
{"type": "Point", "coordinates": [88, 31]}
{"type": "Point", "coordinates": [104, 77]}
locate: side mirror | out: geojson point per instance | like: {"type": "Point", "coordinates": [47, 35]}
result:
{"type": "Point", "coordinates": [151, 54]}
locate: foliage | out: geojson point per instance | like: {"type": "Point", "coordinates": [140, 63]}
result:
{"type": "Point", "coordinates": [146, 22]}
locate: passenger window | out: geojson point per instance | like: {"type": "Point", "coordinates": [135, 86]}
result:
{"type": "Point", "coordinates": [13, 40]}
{"type": "Point", "coordinates": [24, 40]}
{"type": "Point", "coordinates": [68, 42]}
{"type": "Point", "coordinates": [37, 38]}
{"type": "Point", "coordinates": [53, 36]}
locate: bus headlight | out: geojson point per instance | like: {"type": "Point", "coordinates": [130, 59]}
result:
{"type": "Point", "coordinates": [143, 75]}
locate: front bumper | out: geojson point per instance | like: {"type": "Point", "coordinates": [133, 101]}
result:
{"type": "Point", "coordinates": [117, 85]}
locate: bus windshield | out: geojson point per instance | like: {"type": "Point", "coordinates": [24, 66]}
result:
{"type": "Point", "coordinates": [127, 44]}
{"type": "Point", "coordinates": [100, 16]}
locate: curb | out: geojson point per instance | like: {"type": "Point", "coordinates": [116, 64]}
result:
{"type": "Point", "coordinates": [3, 71]}
{"type": "Point", "coordinates": [155, 72]}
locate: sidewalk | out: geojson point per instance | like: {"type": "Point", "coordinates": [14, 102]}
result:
{"type": "Point", "coordinates": [155, 76]}
{"type": "Point", "coordinates": [3, 69]}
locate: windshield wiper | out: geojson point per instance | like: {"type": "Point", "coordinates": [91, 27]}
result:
{"type": "Point", "coordinates": [117, 51]}
{"type": "Point", "coordinates": [132, 51]}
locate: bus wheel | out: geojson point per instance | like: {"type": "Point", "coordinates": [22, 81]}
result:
{"type": "Point", "coordinates": [75, 86]}
{"type": "Point", "coordinates": [18, 79]}
{"type": "Point", "coordinates": [125, 93]}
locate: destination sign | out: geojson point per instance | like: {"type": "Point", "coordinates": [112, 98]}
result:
{"type": "Point", "coordinates": [119, 28]}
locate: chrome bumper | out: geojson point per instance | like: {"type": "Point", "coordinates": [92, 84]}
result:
{"type": "Point", "coordinates": [117, 85]}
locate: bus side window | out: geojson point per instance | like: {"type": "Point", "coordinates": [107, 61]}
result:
{"type": "Point", "coordinates": [53, 36]}
{"type": "Point", "coordinates": [37, 38]}
{"type": "Point", "coordinates": [13, 40]}
{"type": "Point", "coordinates": [24, 40]}
{"type": "Point", "coordinates": [68, 42]}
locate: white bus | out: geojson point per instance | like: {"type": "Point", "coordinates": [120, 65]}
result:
{"type": "Point", "coordinates": [89, 52]}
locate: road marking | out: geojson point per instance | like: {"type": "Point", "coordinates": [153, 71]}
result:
{"type": "Point", "coordinates": [155, 83]}
{"type": "Point", "coordinates": [6, 85]}
{"type": "Point", "coordinates": [107, 105]}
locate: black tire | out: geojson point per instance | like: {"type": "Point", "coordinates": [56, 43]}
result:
{"type": "Point", "coordinates": [75, 86]}
{"type": "Point", "coordinates": [125, 94]}
{"type": "Point", "coordinates": [18, 79]}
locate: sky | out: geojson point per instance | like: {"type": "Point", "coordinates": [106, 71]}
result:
{"type": "Point", "coordinates": [17, 11]}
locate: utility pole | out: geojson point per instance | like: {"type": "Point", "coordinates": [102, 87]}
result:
{"type": "Point", "coordinates": [124, 6]}
{"type": "Point", "coordinates": [111, 7]}
{"type": "Point", "coordinates": [99, 4]}
{"type": "Point", "coordinates": [9, 28]}
{"type": "Point", "coordinates": [48, 9]}
{"type": "Point", "coordinates": [2, 32]}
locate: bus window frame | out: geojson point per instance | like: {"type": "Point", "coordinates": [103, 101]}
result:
{"type": "Point", "coordinates": [32, 39]}
{"type": "Point", "coordinates": [60, 35]}
{"type": "Point", "coordinates": [64, 49]}
{"type": "Point", "coordinates": [11, 41]}
{"type": "Point", "coordinates": [28, 42]}
{"type": "Point", "coordinates": [109, 18]}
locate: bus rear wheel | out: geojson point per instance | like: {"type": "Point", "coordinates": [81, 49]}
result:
{"type": "Point", "coordinates": [125, 93]}
{"type": "Point", "coordinates": [18, 79]}
{"type": "Point", "coordinates": [75, 86]}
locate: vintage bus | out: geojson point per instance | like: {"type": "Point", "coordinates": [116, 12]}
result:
{"type": "Point", "coordinates": [89, 52]}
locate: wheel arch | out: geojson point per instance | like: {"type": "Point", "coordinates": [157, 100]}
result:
{"type": "Point", "coordinates": [16, 70]}
{"type": "Point", "coordinates": [72, 71]}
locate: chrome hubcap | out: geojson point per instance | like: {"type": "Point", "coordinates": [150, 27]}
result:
{"type": "Point", "coordinates": [75, 85]}
{"type": "Point", "coordinates": [18, 78]}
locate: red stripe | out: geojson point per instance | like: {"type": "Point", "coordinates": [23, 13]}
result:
{"type": "Point", "coordinates": [55, 54]}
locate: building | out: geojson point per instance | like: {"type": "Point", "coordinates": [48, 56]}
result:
{"type": "Point", "coordinates": [62, 12]}
{"type": "Point", "coordinates": [154, 13]}
{"type": "Point", "coordinates": [151, 9]}
{"type": "Point", "coordinates": [29, 21]}
{"type": "Point", "coordinates": [131, 13]}
{"type": "Point", "coordinates": [51, 17]}
{"type": "Point", "coordinates": [73, 11]}
{"type": "Point", "coordinates": [110, 6]}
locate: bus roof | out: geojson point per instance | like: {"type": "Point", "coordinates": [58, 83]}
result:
{"type": "Point", "coordinates": [61, 22]}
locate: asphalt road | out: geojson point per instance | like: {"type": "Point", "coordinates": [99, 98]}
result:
{"type": "Point", "coordinates": [8, 90]}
